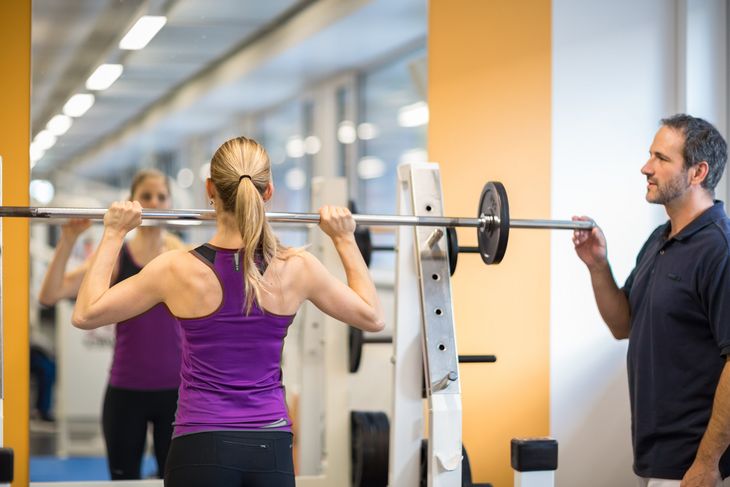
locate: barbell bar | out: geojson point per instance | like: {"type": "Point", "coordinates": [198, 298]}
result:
{"type": "Point", "coordinates": [283, 217]}
{"type": "Point", "coordinates": [492, 222]}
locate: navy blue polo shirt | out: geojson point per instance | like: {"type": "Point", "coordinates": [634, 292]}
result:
{"type": "Point", "coordinates": [679, 295]}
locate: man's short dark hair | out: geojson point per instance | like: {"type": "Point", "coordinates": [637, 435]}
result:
{"type": "Point", "coordinates": [702, 142]}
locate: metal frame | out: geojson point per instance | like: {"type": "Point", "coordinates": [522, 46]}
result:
{"type": "Point", "coordinates": [422, 263]}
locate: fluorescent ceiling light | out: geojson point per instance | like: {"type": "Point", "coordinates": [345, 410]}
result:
{"type": "Point", "coordinates": [185, 177]}
{"type": "Point", "coordinates": [413, 115]}
{"type": "Point", "coordinates": [367, 131]}
{"type": "Point", "coordinates": [370, 167]}
{"type": "Point", "coordinates": [142, 32]}
{"type": "Point", "coordinates": [312, 144]}
{"type": "Point", "coordinates": [44, 140]}
{"type": "Point", "coordinates": [295, 179]}
{"type": "Point", "coordinates": [59, 125]}
{"type": "Point", "coordinates": [295, 147]}
{"type": "Point", "coordinates": [204, 171]}
{"type": "Point", "coordinates": [78, 104]}
{"type": "Point", "coordinates": [41, 190]}
{"type": "Point", "coordinates": [104, 76]}
{"type": "Point", "coordinates": [412, 156]}
{"type": "Point", "coordinates": [36, 153]}
{"type": "Point", "coordinates": [346, 133]}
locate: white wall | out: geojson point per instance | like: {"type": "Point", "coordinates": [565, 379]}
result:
{"type": "Point", "coordinates": [706, 65]}
{"type": "Point", "coordinates": [614, 77]}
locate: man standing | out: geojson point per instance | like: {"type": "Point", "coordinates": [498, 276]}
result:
{"type": "Point", "coordinates": [675, 310]}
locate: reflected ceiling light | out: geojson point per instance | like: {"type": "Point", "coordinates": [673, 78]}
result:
{"type": "Point", "coordinates": [413, 155]}
{"type": "Point", "coordinates": [367, 131]}
{"type": "Point", "coordinates": [42, 191]}
{"type": "Point", "coordinates": [36, 153]}
{"type": "Point", "coordinates": [142, 32]}
{"type": "Point", "coordinates": [204, 171]}
{"type": "Point", "coordinates": [59, 124]}
{"type": "Point", "coordinates": [295, 179]}
{"type": "Point", "coordinates": [346, 133]}
{"type": "Point", "coordinates": [413, 115]}
{"type": "Point", "coordinates": [44, 140]}
{"type": "Point", "coordinates": [370, 167]}
{"type": "Point", "coordinates": [104, 76]}
{"type": "Point", "coordinates": [295, 147]}
{"type": "Point", "coordinates": [312, 145]}
{"type": "Point", "coordinates": [78, 104]}
{"type": "Point", "coordinates": [185, 178]}
{"type": "Point", "coordinates": [277, 155]}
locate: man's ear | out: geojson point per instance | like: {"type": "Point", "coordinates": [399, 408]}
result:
{"type": "Point", "coordinates": [699, 172]}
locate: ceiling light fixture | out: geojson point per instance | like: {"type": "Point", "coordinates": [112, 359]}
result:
{"type": "Point", "coordinates": [104, 76]}
{"type": "Point", "coordinates": [78, 104]}
{"type": "Point", "coordinates": [142, 32]}
{"type": "Point", "coordinates": [59, 125]}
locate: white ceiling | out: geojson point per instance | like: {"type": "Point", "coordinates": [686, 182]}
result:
{"type": "Point", "coordinates": [213, 59]}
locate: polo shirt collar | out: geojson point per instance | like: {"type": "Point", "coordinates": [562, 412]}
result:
{"type": "Point", "coordinates": [712, 214]}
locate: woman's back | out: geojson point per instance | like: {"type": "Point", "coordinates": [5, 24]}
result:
{"type": "Point", "coordinates": [231, 369]}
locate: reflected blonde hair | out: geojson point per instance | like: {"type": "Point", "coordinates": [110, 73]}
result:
{"type": "Point", "coordinates": [243, 197]}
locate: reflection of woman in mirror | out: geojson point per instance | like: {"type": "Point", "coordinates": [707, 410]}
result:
{"type": "Point", "coordinates": [235, 298]}
{"type": "Point", "coordinates": [145, 371]}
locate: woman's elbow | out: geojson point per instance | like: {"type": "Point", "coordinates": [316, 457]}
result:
{"type": "Point", "coordinates": [373, 323]}
{"type": "Point", "coordinates": [47, 299]}
{"type": "Point", "coordinates": [82, 321]}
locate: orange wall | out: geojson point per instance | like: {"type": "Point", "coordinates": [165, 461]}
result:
{"type": "Point", "coordinates": [489, 100]}
{"type": "Point", "coordinates": [15, 18]}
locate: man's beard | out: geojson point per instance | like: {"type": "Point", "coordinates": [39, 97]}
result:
{"type": "Point", "coordinates": [670, 190]}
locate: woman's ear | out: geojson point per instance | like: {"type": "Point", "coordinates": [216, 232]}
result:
{"type": "Point", "coordinates": [269, 191]}
{"type": "Point", "coordinates": [209, 188]}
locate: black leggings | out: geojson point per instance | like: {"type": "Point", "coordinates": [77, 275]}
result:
{"type": "Point", "coordinates": [231, 459]}
{"type": "Point", "coordinates": [124, 419]}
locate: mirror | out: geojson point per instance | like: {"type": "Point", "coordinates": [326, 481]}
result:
{"type": "Point", "coordinates": [309, 80]}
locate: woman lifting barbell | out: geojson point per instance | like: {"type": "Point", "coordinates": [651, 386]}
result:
{"type": "Point", "coordinates": [235, 298]}
{"type": "Point", "coordinates": [145, 369]}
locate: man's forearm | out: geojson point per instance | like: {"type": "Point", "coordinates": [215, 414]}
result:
{"type": "Point", "coordinates": [717, 436]}
{"type": "Point", "coordinates": [612, 302]}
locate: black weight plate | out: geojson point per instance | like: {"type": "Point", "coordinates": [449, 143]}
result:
{"type": "Point", "coordinates": [370, 439]}
{"type": "Point", "coordinates": [355, 342]}
{"type": "Point", "coordinates": [377, 465]}
{"type": "Point", "coordinates": [465, 469]}
{"type": "Point", "coordinates": [452, 245]}
{"type": "Point", "coordinates": [357, 447]}
{"type": "Point", "coordinates": [363, 439]}
{"type": "Point", "coordinates": [493, 238]}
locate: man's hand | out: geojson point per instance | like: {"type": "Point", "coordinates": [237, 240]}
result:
{"type": "Point", "coordinates": [590, 245]}
{"type": "Point", "coordinates": [701, 475]}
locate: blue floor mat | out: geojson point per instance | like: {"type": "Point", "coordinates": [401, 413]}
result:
{"type": "Point", "coordinates": [53, 469]}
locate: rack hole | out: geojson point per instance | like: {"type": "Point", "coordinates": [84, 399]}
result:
{"type": "Point", "coordinates": [439, 311]}
{"type": "Point", "coordinates": [428, 207]}
{"type": "Point", "coordinates": [435, 277]}
{"type": "Point", "coordinates": [442, 347]}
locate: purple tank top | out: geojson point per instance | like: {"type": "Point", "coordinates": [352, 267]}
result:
{"type": "Point", "coordinates": [147, 347]}
{"type": "Point", "coordinates": [231, 375]}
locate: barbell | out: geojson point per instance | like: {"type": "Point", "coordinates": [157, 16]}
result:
{"type": "Point", "coordinates": [493, 221]}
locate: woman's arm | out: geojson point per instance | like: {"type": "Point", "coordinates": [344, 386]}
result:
{"type": "Point", "coordinates": [97, 304]}
{"type": "Point", "coordinates": [356, 303]}
{"type": "Point", "coordinates": [57, 283]}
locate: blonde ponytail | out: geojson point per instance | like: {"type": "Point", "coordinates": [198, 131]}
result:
{"type": "Point", "coordinates": [241, 172]}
